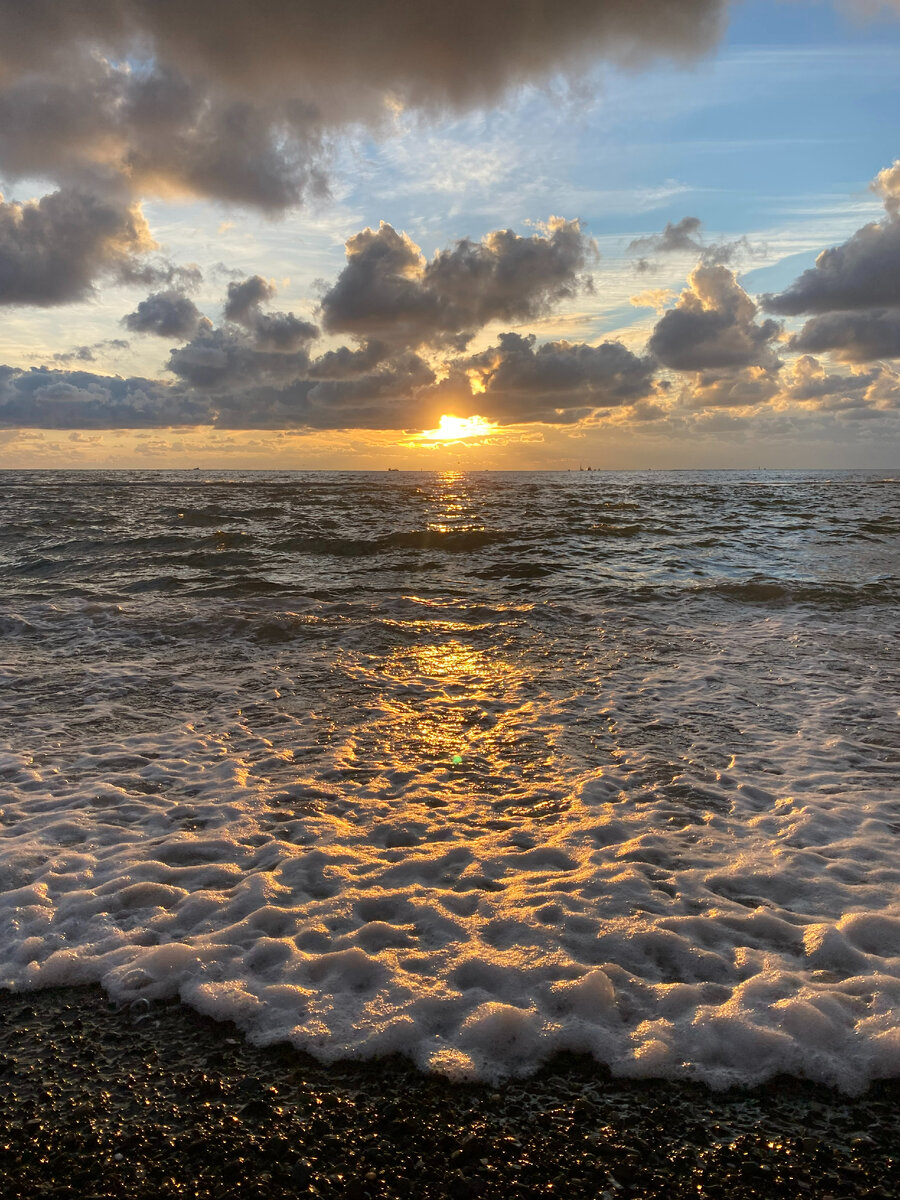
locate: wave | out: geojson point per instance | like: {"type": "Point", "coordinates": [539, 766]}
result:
{"type": "Point", "coordinates": [826, 594]}
{"type": "Point", "coordinates": [450, 540]}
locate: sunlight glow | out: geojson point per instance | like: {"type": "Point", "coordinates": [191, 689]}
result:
{"type": "Point", "coordinates": [457, 429]}
{"type": "Point", "coordinates": [476, 382]}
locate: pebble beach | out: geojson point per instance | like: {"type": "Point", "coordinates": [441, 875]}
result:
{"type": "Point", "coordinates": [98, 1100]}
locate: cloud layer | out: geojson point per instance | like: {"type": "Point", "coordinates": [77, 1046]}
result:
{"type": "Point", "coordinates": [410, 321]}
{"type": "Point", "coordinates": [229, 100]}
{"type": "Point", "coordinates": [388, 291]}
{"type": "Point", "coordinates": [114, 101]}
{"type": "Point", "coordinates": [853, 290]}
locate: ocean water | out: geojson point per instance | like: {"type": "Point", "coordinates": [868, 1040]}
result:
{"type": "Point", "coordinates": [471, 767]}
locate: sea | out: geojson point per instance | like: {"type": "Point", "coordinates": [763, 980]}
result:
{"type": "Point", "coordinates": [473, 767]}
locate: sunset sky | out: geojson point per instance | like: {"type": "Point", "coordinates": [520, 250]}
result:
{"type": "Point", "coordinates": [634, 233]}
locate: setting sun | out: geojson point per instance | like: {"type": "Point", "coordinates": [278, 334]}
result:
{"type": "Point", "coordinates": [456, 429]}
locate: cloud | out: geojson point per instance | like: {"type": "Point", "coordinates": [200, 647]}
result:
{"type": "Point", "coordinates": [713, 326]}
{"type": "Point", "coordinates": [655, 298]}
{"type": "Point", "coordinates": [680, 238]}
{"type": "Point", "coordinates": [806, 379]}
{"type": "Point", "coordinates": [277, 331]}
{"type": "Point", "coordinates": [684, 238]}
{"type": "Point", "coordinates": [347, 363]}
{"type": "Point", "coordinates": [410, 321]}
{"type": "Point", "coordinates": [887, 185]}
{"type": "Point", "coordinates": [807, 382]}
{"type": "Point", "coordinates": [222, 380]}
{"type": "Point", "coordinates": [156, 131]}
{"type": "Point", "coordinates": [242, 103]}
{"type": "Point", "coordinates": [52, 249]}
{"type": "Point", "coordinates": [159, 272]}
{"type": "Point", "coordinates": [345, 57]}
{"type": "Point", "coordinates": [246, 296]}
{"type": "Point", "coordinates": [88, 354]}
{"type": "Point", "coordinates": [388, 291]}
{"type": "Point", "coordinates": [228, 357]}
{"type": "Point", "coordinates": [745, 388]}
{"type": "Point", "coordinates": [237, 102]}
{"type": "Point", "coordinates": [558, 382]}
{"type": "Point", "coordinates": [256, 370]}
{"type": "Point", "coordinates": [169, 314]}
{"type": "Point", "coordinates": [863, 272]}
{"type": "Point", "coordinates": [385, 397]}
{"type": "Point", "coordinates": [852, 337]}
{"type": "Point", "coordinates": [853, 290]}
{"type": "Point", "coordinates": [42, 398]}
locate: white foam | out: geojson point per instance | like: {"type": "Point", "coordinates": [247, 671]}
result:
{"type": "Point", "coordinates": [320, 871]}
{"type": "Point", "coordinates": [632, 796]}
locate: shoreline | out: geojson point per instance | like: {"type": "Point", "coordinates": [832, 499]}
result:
{"type": "Point", "coordinates": [97, 1101]}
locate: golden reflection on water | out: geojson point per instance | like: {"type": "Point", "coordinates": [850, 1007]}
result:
{"type": "Point", "coordinates": [450, 509]}
{"type": "Point", "coordinates": [454, 705]}
{"type": "Point", "coordinates": [449, 691]}
{"type": "Point", "coordinates": [445, 701]}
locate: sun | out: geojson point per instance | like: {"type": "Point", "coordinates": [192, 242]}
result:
{"type": "Point", "coordinates": [458, 429]}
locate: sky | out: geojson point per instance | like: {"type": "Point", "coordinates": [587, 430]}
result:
{"type": "Point", "coordinates": [541, 235]}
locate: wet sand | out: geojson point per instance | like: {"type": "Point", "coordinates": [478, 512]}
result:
{"type": "Point", "coordinates": [97, 1101]}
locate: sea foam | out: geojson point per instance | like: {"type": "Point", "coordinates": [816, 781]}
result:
{"type": "Point", "coordinates": [475, 826]}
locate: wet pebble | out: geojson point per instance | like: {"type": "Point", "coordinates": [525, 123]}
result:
{"type": "Point", "coordinates": [171, 1107]}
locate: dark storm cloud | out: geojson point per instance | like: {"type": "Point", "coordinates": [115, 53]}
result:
{"type": "Point", "coordinates": [169, 314]}
{"type": "Point", "coordinates": [52, 250]}
{"type": "Point", "coordinates": [389, 292]}
{"type": "Point", "coordinates": [713, 326]}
